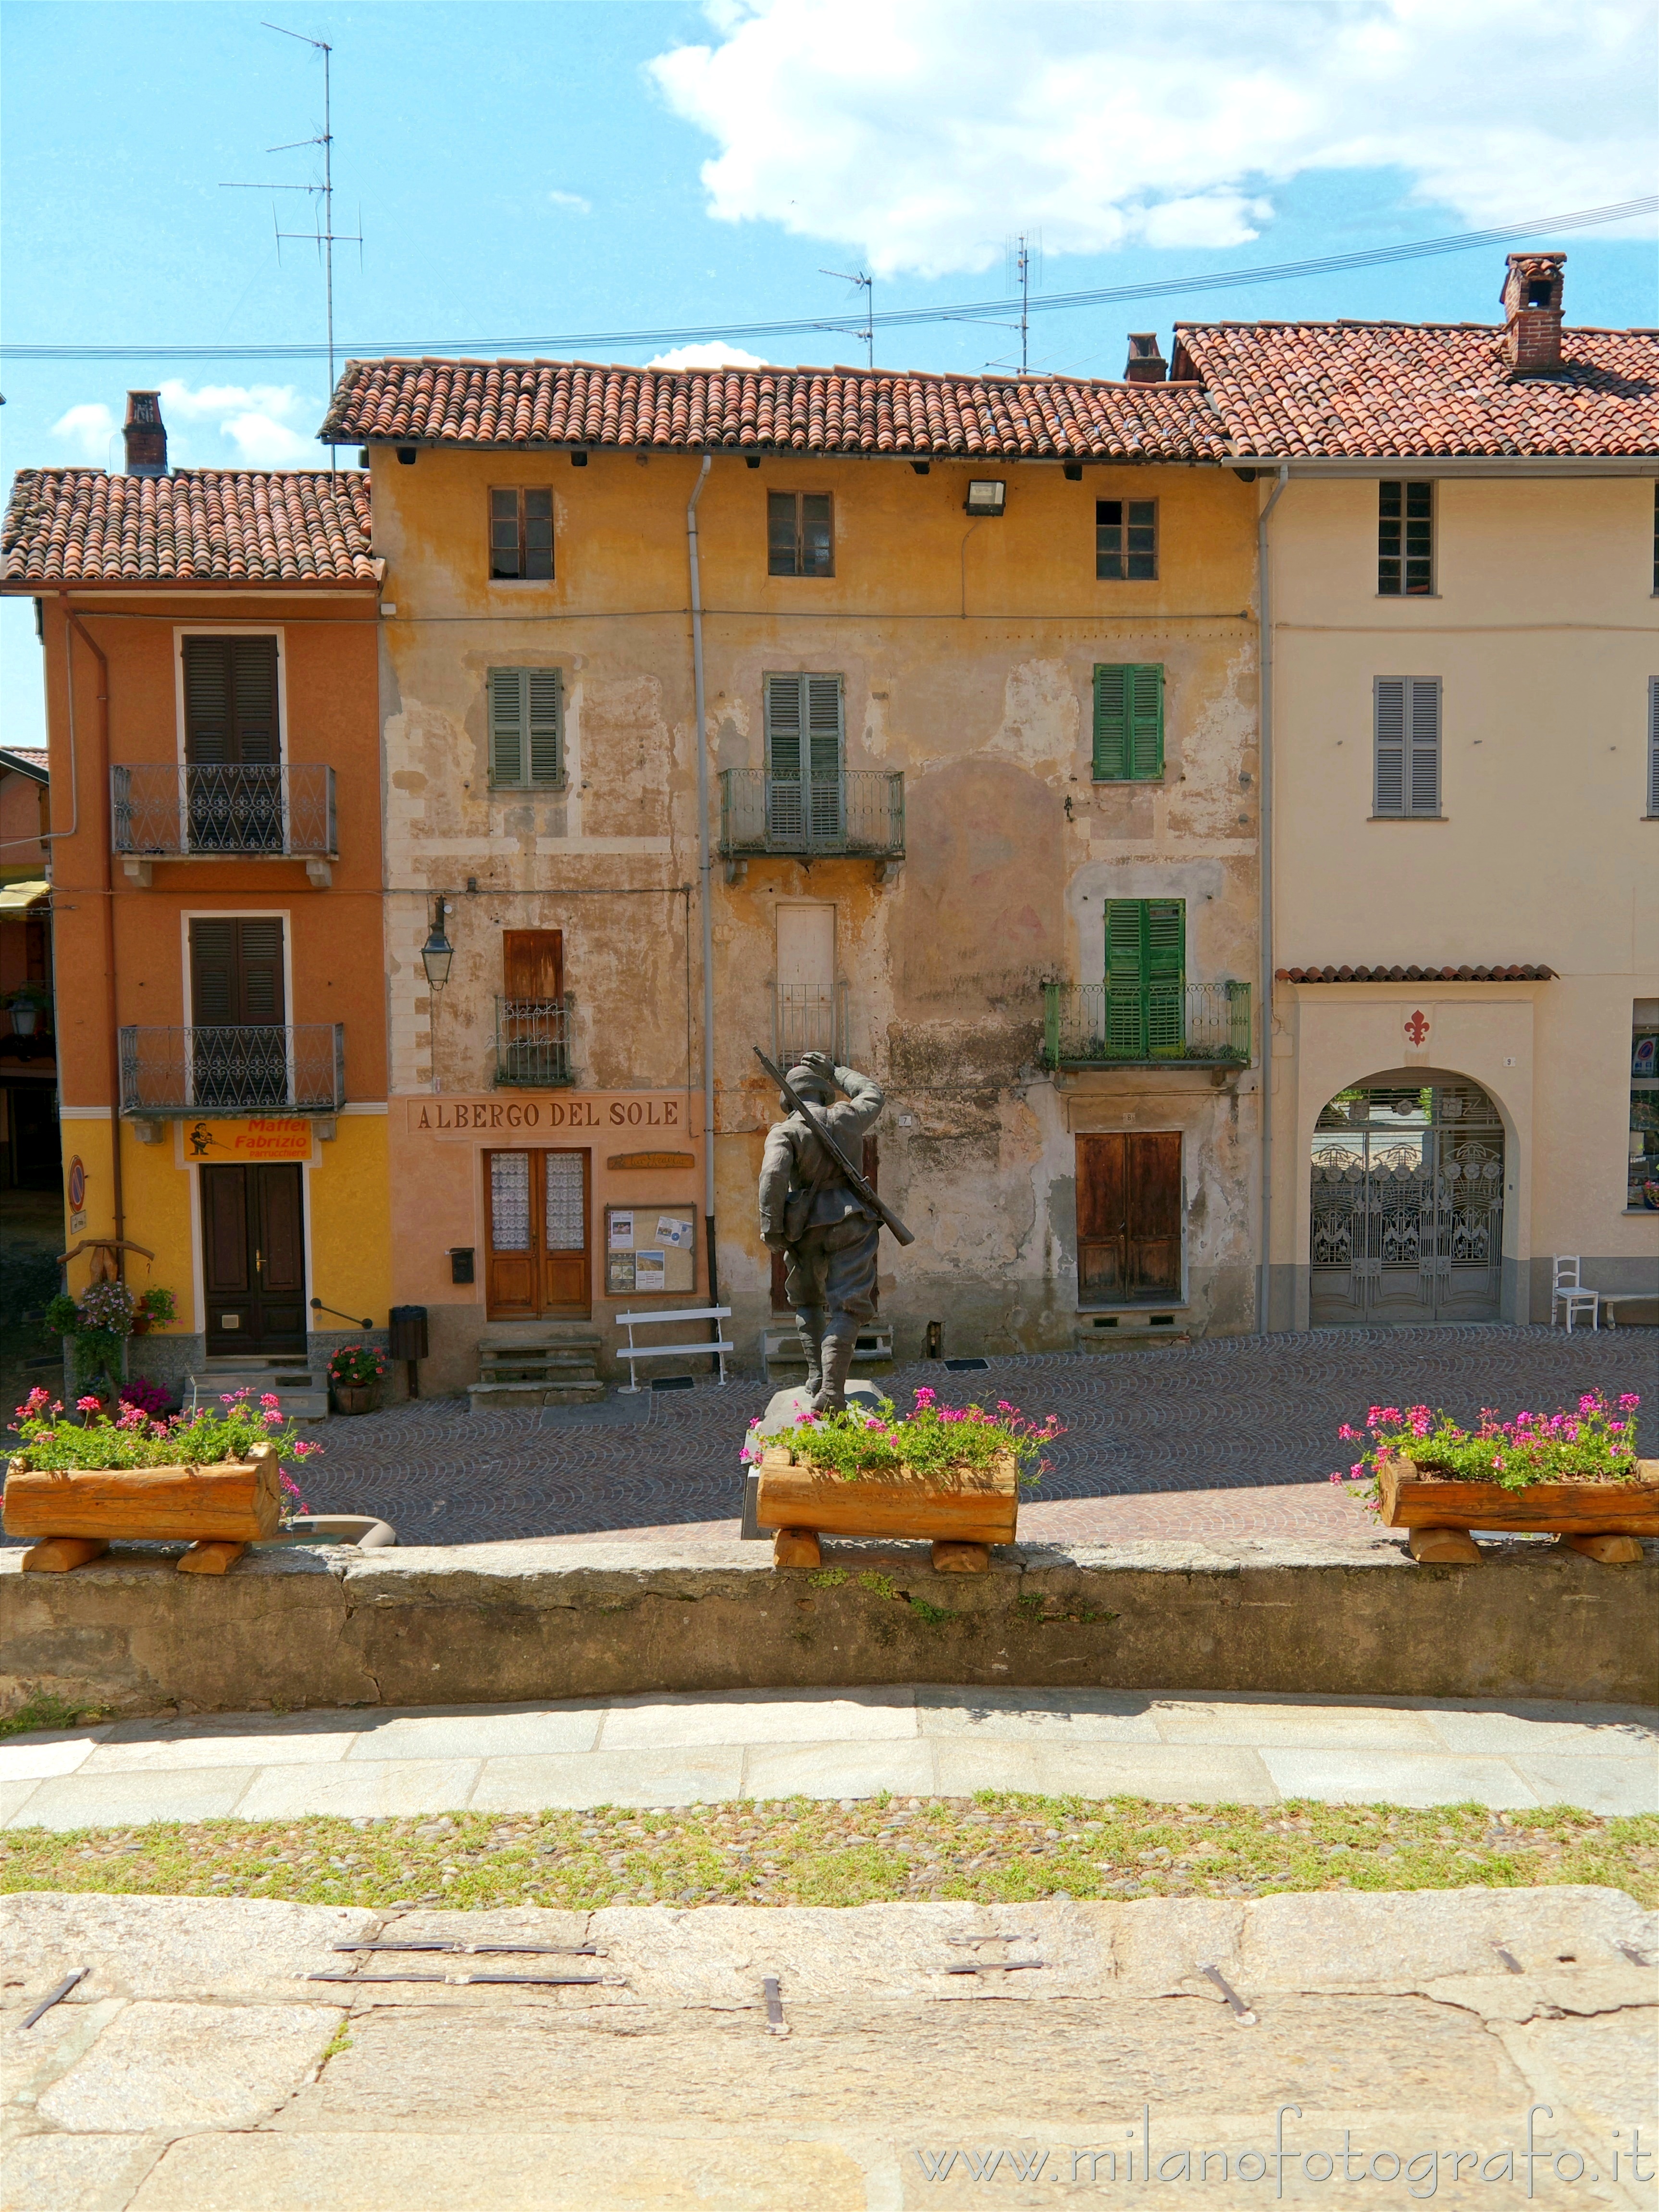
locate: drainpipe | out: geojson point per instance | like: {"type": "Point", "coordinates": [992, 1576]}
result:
{"type": "Point", "coordinates": [1264, 871]}
{"type": "Point", "coordinates": [72, 622]}
{"type": "Point", "coordinates": [705, 878]}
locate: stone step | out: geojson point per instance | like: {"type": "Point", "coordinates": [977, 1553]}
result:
{"type": "Point", "coordinates": [498, 1397]}
{"type": "Point", "coordinates": [1129, 1336]}
{"type": "Point", "coordinates": [527, 1336]}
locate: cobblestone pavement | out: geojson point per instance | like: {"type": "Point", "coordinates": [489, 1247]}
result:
{"type": "Point", "coordinates": [1234, 1436]}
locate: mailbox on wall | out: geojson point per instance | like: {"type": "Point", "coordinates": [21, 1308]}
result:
{"type": "Point", "coordinates": [460, 1263]}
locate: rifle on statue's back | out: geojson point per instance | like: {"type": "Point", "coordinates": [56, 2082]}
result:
{"type": "Point", "coordinates": [865, 1188]}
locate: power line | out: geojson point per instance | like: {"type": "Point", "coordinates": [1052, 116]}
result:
{"type": "Point", "coordinates": [856, 325]}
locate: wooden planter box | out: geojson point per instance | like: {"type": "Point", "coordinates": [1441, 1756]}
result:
{"type": "Point", "coordinates": [963, 1514]}
{"type": "Point", "coordinates": [1602, 1519]}
{"type": "Point", "coordinates": [356, 1397]}
{"type": "Point", "coordinates": [78, 1512]}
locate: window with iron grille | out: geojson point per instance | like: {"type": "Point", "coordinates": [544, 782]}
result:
{"type": "Point", "coordinates": [521, 536]}
{"type": "Point", "coordinates": [527, 728]}
{"type": "Point", "coordinates": [1404, 539]}
{"type": "Point", "coordinates": [1129, 722]}
{"type": "Point", "coordinates": [799, 538]}
{"type": "Point", "coordinates": [1126, 538]}
{"type": "Point", "coordinates": [1405, 733]}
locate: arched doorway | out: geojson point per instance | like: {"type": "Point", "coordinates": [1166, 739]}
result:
{"type": "Point", "coordinates": [1407, 1219]}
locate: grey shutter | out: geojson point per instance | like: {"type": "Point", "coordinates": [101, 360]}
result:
{"type": "Point", "coordinates": [1423, 733]}
{"type": "Point", "coordinates": [1653, 743]}
{"type": "Point", "coordinates": [1389, 794]}
{"type": "Point", "coordinates": [545, 687]}
{"type": "Point", "coordinates": [824, 738]}
{"type": "Point", "coordinates": [785, 812]}
{"type": "Point", "coordinates": [507, 716]}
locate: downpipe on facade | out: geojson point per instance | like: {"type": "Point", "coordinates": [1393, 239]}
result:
{"type": "Point", "coordinates": [1265, 877]}
{"type": "Point", "coordinates": [705, 879]}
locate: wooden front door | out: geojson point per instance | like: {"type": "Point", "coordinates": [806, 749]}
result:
{"type": "Point", "coordinates": [536, 1209]}
{"type": "Point", "coordinates": [1128, 1217]}
{"type": "Point", "coordinates": [253, 1259]}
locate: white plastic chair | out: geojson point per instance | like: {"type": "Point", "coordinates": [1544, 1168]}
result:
{"type": "Point", "coordinates": [1567, 1292]}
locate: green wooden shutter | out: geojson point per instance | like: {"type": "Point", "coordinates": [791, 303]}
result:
{"type": "Point", "coordinates": [1423, 730]}
{"type": "Point", "coordinates": [1125, 1025]}
{"type": "Point", "coordinates": [1129, 722]}
{"type": "Point", "coordinates": [1145, 689]}
{"type": "Point", "coordinates": [507, 720]}
{"type": "Point", "coordinates": [1389, 746]}
{"type": "Point", "coordinates": [1111, 726]}
{"type": "Point", "coordinates": [545, 739]}
{"type": "Point", "coordinates": [1166, 976]}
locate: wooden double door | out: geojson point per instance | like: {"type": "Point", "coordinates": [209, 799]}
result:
{"type": "Point", "coordinates": [1128, 1217]}
{"type": "Point", "coordinates": [253, 1258]}
{"type": "Point", "coordinates": [538, 1257]}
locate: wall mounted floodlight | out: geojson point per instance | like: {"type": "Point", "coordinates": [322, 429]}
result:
{"type": "Point", "coordinates": [437, 952]}
{"type": "Point", "coordinates": [985, 496]}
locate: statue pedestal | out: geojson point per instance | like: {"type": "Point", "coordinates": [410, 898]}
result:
{"type": "Point", "coordinates": [784, 1409]}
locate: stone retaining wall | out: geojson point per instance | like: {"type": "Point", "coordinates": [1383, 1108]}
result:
{"type": "Point", "coordinates": [500, 1622]}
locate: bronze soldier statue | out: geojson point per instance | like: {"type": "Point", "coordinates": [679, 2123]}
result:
{"type": "Point", "coordinates": [825, 1227]}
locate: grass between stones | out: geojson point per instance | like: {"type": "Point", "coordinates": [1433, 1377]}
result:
{"type": "Point", "coordinates": [995, 1847]}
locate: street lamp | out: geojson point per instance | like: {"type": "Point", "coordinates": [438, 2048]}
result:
{"type": "Point", "coordinates": [437, 952]}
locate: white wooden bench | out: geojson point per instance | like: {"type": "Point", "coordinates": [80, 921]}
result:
{"type": "Point", "coordinates": [719, 1346]}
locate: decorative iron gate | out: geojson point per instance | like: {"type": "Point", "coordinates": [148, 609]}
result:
{"type": "Point", "coordinates": [1407, 1207]}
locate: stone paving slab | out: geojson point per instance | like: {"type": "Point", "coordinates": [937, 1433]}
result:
{"type": "Point", "coordinates": [894, 2081]}
{"type": "Point", "coordinates": [669, 1748]}
{"type": "Point", "coordinates": [1226, 1438]}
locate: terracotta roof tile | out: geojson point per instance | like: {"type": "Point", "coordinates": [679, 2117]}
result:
{"type": "Point", "coordinates": [201, 526]}
{"type": "Point", "coordinates": [1465, 974]}
{"type": "Point", "coordinates": [804, 411]}
{"type": "Point", "coordinates": [1422, 391]}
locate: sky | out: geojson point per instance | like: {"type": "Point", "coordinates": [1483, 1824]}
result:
{"type": "Point", "coordinates": [518, 168]}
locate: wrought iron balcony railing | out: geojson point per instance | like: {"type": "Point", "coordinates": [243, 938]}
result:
{"type": "Point", "coordinates": [532, 1042]}
{"type": "Point", "coordinates": [162, 812]}
{"type": "Point", "coordinates": [810, 1017]}
{"type": "Point", "coordinates": [1101, 1024]}
{"type": "Point", "coordinates": [299, 1068]}
{"type": "Point", "coordinates": [860, 813]}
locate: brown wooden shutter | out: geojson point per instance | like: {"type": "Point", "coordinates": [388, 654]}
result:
{"type": "Point", "coordinates": [230, 701]}
{"type": "Point", "coordinates": [532, 963]}
{"type": "Point", "coordinates": [236, 973]}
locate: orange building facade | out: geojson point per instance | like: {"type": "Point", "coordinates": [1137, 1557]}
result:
{"type": "Point", "coordinates": [210, 664]}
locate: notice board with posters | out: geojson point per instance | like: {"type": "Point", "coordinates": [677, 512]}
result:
{"type": "Point", "coordinates": [650, 1250]}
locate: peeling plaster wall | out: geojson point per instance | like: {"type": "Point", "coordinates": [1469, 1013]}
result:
{"type": "Point", "coordinates": [966, 653]}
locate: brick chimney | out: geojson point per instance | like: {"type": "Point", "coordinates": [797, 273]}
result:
{"type": "Point", "coordinates": [1532, 291]}
{"type": "Point", "coordinates": [146, 434]}
{"type": "Point", "coordinates": [1145, 364]}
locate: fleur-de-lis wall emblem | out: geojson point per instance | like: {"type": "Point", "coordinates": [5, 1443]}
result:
{"type": "Point", "coordinates": [1417, 1026]}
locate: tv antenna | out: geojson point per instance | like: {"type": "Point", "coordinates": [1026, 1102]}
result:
{"type": "Point", "coordinates": [323, 235]}
{"type": "Point", "coordinates": [866, 284]}
{"type": "Point", "coordinates": [1024, 269]}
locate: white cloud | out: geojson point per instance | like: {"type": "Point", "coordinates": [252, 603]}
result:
{"type": "Point", "coordinates": [574, 201]}
{"type": "Point", "coordinates": [90, 426]}
{"type": "Point", "coordinates": [180, 403]}
{"type": "Point", "coordinates": [921, 133]}
{"type": "Point", "coordinates": [261, 443]}
{"type": "Point", "coordinates": [715, 355]}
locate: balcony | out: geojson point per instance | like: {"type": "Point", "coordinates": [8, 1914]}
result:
{"type": "Point", "coordinates": [859, 815]}
{"type": "Point", "coordinates": [1146, 1025]}
{"type": "Point", "coordinates": [532, 1043]}
{"type": "Point", "coordinates": [162, 812]}
{"type": "Point", "coordinates": [172, 1073]}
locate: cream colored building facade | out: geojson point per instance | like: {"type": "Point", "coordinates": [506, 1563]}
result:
{"type": "Point", "coordinates": [1440, 1135]}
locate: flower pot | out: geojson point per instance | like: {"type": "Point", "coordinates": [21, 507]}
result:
{"type": "Point", "coordinates": [74, 1513]}
{"type": "Point", "coordinates": [356, 1397]}
{"type": "Point", "coordinates": [975, 1506]}
{"type": "Point", "coordinates": [1429, 1502]}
